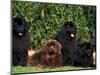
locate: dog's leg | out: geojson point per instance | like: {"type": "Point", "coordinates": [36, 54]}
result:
{"type": "Point", "coordinates": [23, 61]}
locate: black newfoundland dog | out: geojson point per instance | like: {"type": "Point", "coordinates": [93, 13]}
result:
{"type": "Point", "coordinates": [67, 38]}
{"type": "Point", "coordinates": [20, 41]}
{"type": "Point", "coordinates": [85, 55]}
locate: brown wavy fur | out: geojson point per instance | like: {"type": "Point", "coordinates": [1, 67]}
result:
{"type": "Point", "coordinates": [49, 56]}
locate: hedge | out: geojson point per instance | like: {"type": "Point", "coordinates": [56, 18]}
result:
{"type": "Point", "coordinates": [46, 19]}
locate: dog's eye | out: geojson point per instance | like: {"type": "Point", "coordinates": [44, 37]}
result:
{"type": "Point", "coordinates": [68, 32]}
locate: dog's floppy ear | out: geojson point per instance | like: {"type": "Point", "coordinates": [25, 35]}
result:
{"type": "Point", "coordinates": [59, 45]}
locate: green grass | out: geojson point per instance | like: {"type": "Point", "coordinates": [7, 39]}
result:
{"type": "Point", "coordinates": [31, 69]}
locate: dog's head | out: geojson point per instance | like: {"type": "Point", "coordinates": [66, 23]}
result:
{"type": "Point", "coordinates": [52, 46]}
{"type": "Point", "coordinates": [70, 29]}
{"type": "Point", "coordinates": [19, 26]}
{"type": "Point", "coordinates": [51, 49]}
{"type": "Point", "coordinates": [87, 49]}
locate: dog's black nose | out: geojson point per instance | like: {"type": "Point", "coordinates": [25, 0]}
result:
{"type": "Point", "coordinates": [51, 53]}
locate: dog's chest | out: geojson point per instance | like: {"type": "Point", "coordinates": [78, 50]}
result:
{"type": "Point", "coordinates": [20, 43]}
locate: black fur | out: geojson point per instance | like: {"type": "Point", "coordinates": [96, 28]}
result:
{"type": "Point", "coordinates": [93, 42]}
{"type": "Point", "coordinates": [20, 41]}
{"type": "Point", "coordinates": [84, 55]}
{"type": "Point", "coordinates": [67, 38]}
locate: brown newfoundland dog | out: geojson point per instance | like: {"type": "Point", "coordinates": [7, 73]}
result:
{"type": "Point", "coordinates": [49, 56]}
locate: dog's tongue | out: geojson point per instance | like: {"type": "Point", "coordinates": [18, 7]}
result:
{"type": "Point", "coordinates": [72, 35]}
{"type": "Point", "coordinates": [20, 34]}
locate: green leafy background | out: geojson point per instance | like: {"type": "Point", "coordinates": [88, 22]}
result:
{"type": "Point", "coordinates": [46, 19]}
